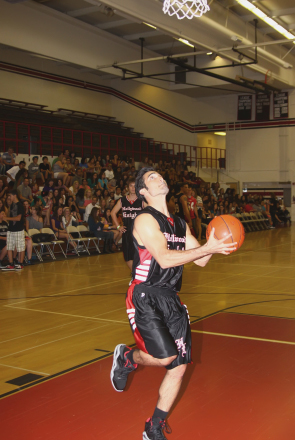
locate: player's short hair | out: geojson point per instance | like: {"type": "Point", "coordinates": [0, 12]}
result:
{"type": "Point", "coordinates": [139, 182]}
{"type": "Point", "coordinates": [130, 180]}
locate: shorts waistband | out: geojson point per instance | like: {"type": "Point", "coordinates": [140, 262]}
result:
{"type": "Point", "coordinates": [154, 290]}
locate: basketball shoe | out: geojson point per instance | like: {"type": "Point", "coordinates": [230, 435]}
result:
{"type": "Point", "coordinates": [121, 368]}
{"type": "Point", "coordinates": [155, 431]}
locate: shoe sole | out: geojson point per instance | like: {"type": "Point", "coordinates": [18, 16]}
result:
{"type": "Point", "coordinates": [144, 436]}
{"type": "Point", "coordinates": [9, 270]}
{"type": "Point", "coordinates": [117, 353]}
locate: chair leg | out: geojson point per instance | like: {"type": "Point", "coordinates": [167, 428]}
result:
{"type": "Point", "coordinates": [50, 252]}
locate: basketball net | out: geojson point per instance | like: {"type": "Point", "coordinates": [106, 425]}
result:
{"type": "Point", "coordinates": [185, 8]}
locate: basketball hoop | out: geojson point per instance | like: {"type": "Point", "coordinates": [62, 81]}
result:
{"type": "Point", "coordinates": [185, 8]}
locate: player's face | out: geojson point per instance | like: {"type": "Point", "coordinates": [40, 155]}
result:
{"type": "Point", "coordinates": [155, 183]}
{"type": "Point", "coordinates": [131, 188]}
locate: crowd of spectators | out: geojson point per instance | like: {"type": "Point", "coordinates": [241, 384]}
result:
{"type": "Point", "coordinates": [70, 191]}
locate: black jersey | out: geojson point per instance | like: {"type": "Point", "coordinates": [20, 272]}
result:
{"type": "Point", "coordinates": [178, 206]}
{"type": "Point", "coordinates": [146, 269]}
{"type": "Point", "coordinates": [130, 209]}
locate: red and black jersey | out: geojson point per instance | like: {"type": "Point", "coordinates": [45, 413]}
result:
{"type": "Point", "coordinates": [146, 269]}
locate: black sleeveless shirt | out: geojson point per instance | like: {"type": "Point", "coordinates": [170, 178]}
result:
{"type": "Point", "coordinates": [146, 269]}
{"type": "Point", "coordinates": [130, 209]}
{"type": "Point", "coordinates": [178, 206]}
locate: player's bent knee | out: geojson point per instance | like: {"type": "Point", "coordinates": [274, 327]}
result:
{"type": "Point", "coordinates": [167, 361]}
{"type": "Point", "coordinates": [178, 371]}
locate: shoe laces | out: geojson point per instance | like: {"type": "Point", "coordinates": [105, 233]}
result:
{"type": "Point", "coordinates": [165, 427]}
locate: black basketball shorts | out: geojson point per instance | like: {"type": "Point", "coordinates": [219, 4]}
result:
{"type": "Point", "coordinates": [128, 246]}
{"type": "Point", "coordinates": [160, 323]}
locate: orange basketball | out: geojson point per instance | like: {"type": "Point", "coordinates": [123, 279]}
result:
{"type": "Point", "coordinates": [227, 224]}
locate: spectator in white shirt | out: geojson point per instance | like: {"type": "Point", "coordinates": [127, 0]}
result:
{"type": "Point", "coordinates": [117, 194]}
{"type": "Point", "coordinates": [90, 207]}
{"type": "Point", "coordinates": [109, 172]}
{"type": "Point", "coordinates": [68, 219]}
{"type": "Point", "coordinates": [14, 170]}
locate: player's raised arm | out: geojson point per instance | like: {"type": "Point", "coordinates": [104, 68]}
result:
{"type": "Point", "coordinates": [147, 233]}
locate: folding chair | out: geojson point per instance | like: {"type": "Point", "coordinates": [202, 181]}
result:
{"type": "Point", "coordinates": [247, 223]}
{"type": "Point", "coordinates": [78, 240]}
{"type": "Point", "coordinates": [244, 223]}
{"type": "Point", "coordinates": [263, 219]}
{"type": "Point", "coordinates": [46, 244]}
{"type": "Point", "coordinates": [54, 239]}
{"type": "Point", "coordinates": [81, 229]}
{"type": "Point", "coordinates": [35, 245]}
{"type": "Point", "coordinates": [258, 221]}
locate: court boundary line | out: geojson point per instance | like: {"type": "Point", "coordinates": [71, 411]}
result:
{"type": "Point", "coordinates": [24, 369]}
{"type": "Point", "coordinates": [274, 341]}
{"type": "Point", "coordinates": [67, 314]}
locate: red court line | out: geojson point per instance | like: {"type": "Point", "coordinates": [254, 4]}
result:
{"type": "Point", "coordinates": [235, 390]}
{"type": "Point", "coordinates": [249, 325]}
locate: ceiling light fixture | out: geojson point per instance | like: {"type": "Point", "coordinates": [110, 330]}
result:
{"type": "Point", "coordinates": [248, 5]}
{"type": "Point", "coordinates": [182, 40]}
{"type": "Point", "coordinates": [220, 133]}
{"type": "Point", "coordinates": [150, 25]}
{"type": "Point", "coordinates": [209, 53]}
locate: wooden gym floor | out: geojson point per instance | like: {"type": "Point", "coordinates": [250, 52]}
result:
{"type": "Point", "coordinates": [60, 322]}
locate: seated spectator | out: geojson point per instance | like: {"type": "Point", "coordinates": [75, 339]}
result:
{"type": "Point", "coordinates": [49, 186]}
{"type": "Point", "coordinates": [106, 161]}
{"type": "Point", "coordinates": [3, 238]}
{"type": "Point", "coordinates": [87, 197]}
{"type": "Point", "coordinates": [77, 164]}
{"type": "Point", "coordinates": [85, 185]}
{"type": "Point", "coordinates": [34, 220]}
{"type": "Point", "coordinates": [112, 227]}
{"type": "Point", "coordinates": [61, 186]}
{"type": "Point", "coordinates": [3, 189]}
{"type": "Point", "coordinates": [96, 226]}
{"type": "Point", "coordinates": [97, 168]}
{"type": "Point", "coordinates": [257, 206]}
{"type": "Point", "coordinates": [58, 170]}
{"type": "Point", "coordinates": [72, 157]}
{"type": "Point", "coordinates": [249, 206]}
{"type": "Point", "coordinates": [35, 190]}
{"type": "Point", "coordinates": [74, 188]}
{"type": "Point", "coordinates": [93, 181]}
{"type": "Point", "coordinates": [102, 181]}
{"type": "Point", "coordinates": [117, 194]}
{"type": "Point", "coordinates": [70, 202]}
{"type": "Point", "coordinates": [2, 167]}
{"type": "Point", "coordinates": [11, 174]}
{"type": "Point", "coordinates": [89, 207]}
{"type": "Point", "coordinates": [90, 166]}
{"type": "Point", "coordinates": [69, 218]}
{"type": "Point", "coordinates": [8, 159]}
{"type": "Point", "coordinates": [34, 171]}
{"type": "Point", "coordinates": [56, 197]}
{"type": "Point", "coordinates": [80, 201]}
{"type": "Point", "coordinates": [78, 177]}
{"type": "Point", "coordinates": [57, 226]}
{"type": "Point", "coordinates": [24, 191]}
{"type": "Point", "coordinates": [98, 195]}
{"type": "Point", "coordinates": [109, 173]}
{"type": "Point", "coordinates": [2, 208]}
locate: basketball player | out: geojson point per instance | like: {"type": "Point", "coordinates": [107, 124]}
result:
{"type": "Point", "coordinates": [131, 205]}
{"type": "Point", "coordinates": [181, 204]}
{"type": "Point", "coordinates": [159, 320]}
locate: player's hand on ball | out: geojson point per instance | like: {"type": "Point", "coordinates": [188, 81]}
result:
{"type": "Point", "coordinates": [219, 246]}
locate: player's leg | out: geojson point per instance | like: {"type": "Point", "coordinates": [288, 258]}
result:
{"type": "Point", "coordinates": [128, 249]}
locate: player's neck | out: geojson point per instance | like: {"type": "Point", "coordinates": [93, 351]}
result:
{"type": "Point", "coordinates": [132, 196]}
{"type": "Point", "coordinates": [160, 205]}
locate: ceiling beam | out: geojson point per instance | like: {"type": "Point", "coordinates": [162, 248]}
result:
{"type": "Point", "coordinates": [170, 45]}
{"type": "Point", "coordinates": [113, 24]}
{"type": "Point", "coordinates": [282, 12]}
{"type": "Point", "coordinates": [133, 37]}
{"type": "Point", "coordinates": [84, 11]}
{"type": "Point", "coordinates": [269, 30]}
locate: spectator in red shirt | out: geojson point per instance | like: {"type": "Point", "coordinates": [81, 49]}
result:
{"type": "Point", "coordinates": [193, 210]}
{"type": "Point", "coordinates": [248, 207]}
